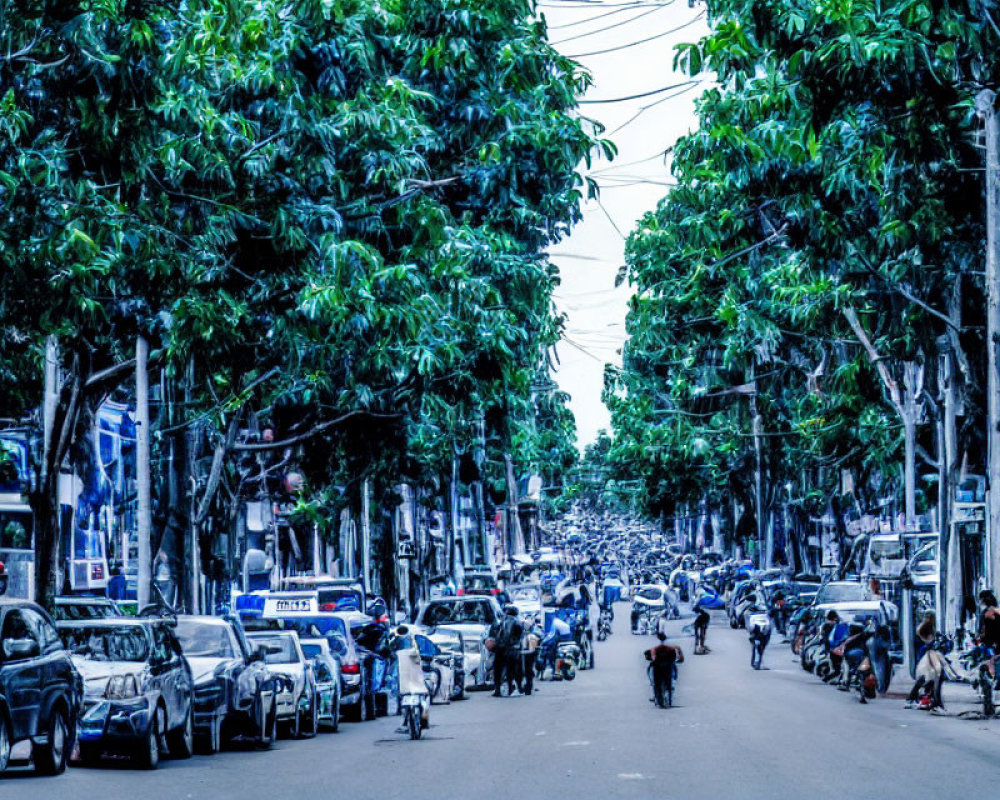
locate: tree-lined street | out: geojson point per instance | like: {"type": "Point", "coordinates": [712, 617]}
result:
{"type": "Point", "coordinates": [778, 733]}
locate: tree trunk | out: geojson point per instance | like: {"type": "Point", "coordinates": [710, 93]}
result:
{"type": "Point", "coordinates": [986, 106]}
{"type": "Point", "coordinates": [515, 533]}
{"type": "Point", "coordinates": [142, 433]}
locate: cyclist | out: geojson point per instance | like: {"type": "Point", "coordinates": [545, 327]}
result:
{"type": "Point", "coordinates": [663, 659]}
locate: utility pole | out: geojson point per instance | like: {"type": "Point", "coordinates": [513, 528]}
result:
{"type": "Point", "coordinates": [145, 505]}
{"type": "Point", "coordinates": [758, 475]}
{"type": "Point", "coordinates": [366, 535]}
{"type": "Point", "coordinates": [986, 109]}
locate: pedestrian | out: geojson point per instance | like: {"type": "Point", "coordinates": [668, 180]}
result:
{"type": "Point", "coordinates": [759, 631]}
{"type": "Point", "coordinates": [117, 585]}
{"type": "Point", "coordinates": [701, 620]}
{"type": "Point", "coordinates": [878, 652]}
{"type": "Point", "coordinates": [529, 654]}
{"type": "Point", "coordinates": [930, 669]}
{"type": "Point", "coordinates": [663, 659]}
{"type": "Point", "coordinates": [989, 620]}
{"type": "Point", "coordinates": [506, 636]}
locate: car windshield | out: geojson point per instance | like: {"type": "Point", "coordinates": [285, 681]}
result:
{"type": "Point", "coordinates": [343, 599]}
{"type": "Point", "coordinates": [315, 627]}
{"type": "Point", "coordinates": [526, 594]}
{"type": "Point", "coordinates": [451, 613]}
{"type": "Point", "coordinates": [75, 611]}
{"type": "Point", "coordinates": [282, 646]}
{"type": "Point", "coordinates": [124, 643]}
{"type": "Point", "coordinates": [203, 640]}
{"type": "Point", "coordinates": [840, 593]}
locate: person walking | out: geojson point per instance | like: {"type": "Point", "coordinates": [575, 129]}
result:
{"type": "Point", "coordinates": [878, 652]}
{"type": "Point", "coordinates": [506, 634]}
{"type": "Point", "coordinates": [529, 654]}
{"type": "Point", "coordinates": [663, 659]}
{"type": "Point", "coordinates": [759, 631]}
{"type": "Point", "coordinates": [989, 620]}
{"type": "Point", "coordinates": [930, 669]}
{"type": "Point", "coordinates": [701, 620]}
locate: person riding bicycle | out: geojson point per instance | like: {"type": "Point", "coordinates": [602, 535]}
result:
{"type": "Point", "coordinates": [663, 659]}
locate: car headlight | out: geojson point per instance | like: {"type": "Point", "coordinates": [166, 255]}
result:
{"type": "Point", "coordinates": [122, 687]}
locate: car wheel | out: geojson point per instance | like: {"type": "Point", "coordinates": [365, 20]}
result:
{"type": "Point", "coordinates": [335, 723]}
{"type": "Point", "coordinates": [148, 752]}
{"type": "Point", "coordinates": [312, 720]}
{"type": "Point", "coordinates": [211, 742]}
{"type": "Point", "coordinates": [50, 758]}
{"type": "Point", "coordinates": [4, 744]}
{"type": "Point", "coordinates": [269, 733]}
{"type": "Point", "coordinates": [180, 741]}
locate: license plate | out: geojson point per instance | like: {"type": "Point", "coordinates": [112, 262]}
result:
{"type": "Point", "coordinates": [411, 700]}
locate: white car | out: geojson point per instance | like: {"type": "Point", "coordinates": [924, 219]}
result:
{"type": "Point", "coordinates": [298, 703]}
{"type": "Point", "coordinates": [472, 616]}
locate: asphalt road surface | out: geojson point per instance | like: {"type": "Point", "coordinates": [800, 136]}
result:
{"type": "Point", "coordinates": [733, 733]}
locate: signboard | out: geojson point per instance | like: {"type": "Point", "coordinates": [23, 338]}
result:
{"type": "Point", "coordinates": [275, 606]}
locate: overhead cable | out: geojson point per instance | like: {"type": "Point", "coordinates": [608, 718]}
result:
{"type": "Point", "coordinates": [687, 24]}
{"type": "Point", "coordinates": [607, 27]}
{"type": "Point", "coordinates": [602, 16]}
{"type": "Point", "coordinates": [638, 96]}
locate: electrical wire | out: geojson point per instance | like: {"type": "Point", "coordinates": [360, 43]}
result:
{"type": "Point", "coordinates": [599, 16]}
{"type": "Point", "coordinates": [608, 27]}
{"type": "Point", "coordinates": [662, 154]}
{"type": "Point", "coordinates": [687, 24]}
{"type": "Point", "coordinates": [637, 96]}
{"type": "Point", "coordinates": [643, 109]}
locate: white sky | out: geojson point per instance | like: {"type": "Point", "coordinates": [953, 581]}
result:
{"type": "Point", "coordinates": [630, 185]}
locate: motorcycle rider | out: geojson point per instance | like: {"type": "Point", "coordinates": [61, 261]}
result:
{"type": "Point", "coordinates": [930, 667]}
{"type": "Point", "coordinates": [701, 620]}
{"type": "Point", "coordinates": [759, 631]}
{"type": "Point", "coordinates": [664, 658]}
{"type": "Point", "coordinates": [559, 631]}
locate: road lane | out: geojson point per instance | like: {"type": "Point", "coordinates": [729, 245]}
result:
{"type": "Point", "coordinates": [777, 733]}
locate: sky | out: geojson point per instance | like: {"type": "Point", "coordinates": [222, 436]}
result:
{"type": "Point", "coordinates": [640, 38]}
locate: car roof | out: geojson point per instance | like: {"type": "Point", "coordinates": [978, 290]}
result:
{"type": "Point", "coordinates": [204, 619]}
{"type": "Point", "coordinates": [65, 599]}
{"type": "Point", "coordinates": [111, 622]}
{"type": "Point", "coordinates": [852, 605]}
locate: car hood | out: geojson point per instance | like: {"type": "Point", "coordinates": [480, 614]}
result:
{"type": "Point", "coordinates": [96, 674]}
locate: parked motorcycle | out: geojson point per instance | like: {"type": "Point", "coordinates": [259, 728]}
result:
{"type": "Point", "coordinates": [981, 664]}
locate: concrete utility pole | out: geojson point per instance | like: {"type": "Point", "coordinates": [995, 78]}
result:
{"type": "Point", "coordinates": [366, 535]}
{"type": "Point", "coordinates": [145, 505]}
{"type": "Point", "coordinates": [986, 109]}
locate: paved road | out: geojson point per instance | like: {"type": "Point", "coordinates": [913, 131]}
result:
{"type": "Point", "coordinates": [778, 733]}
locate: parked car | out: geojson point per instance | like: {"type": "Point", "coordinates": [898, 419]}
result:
{"type": "Point", "coordinates": [298, 706]}
{"type": "Point", "coordinates": [84, 606]}
{"type": "Point", "coordinates": [138, 689]}
{"type": "Point", "coordinates": [234, 691]}
{"type": "Point", "coordinates": [470, 616]}
{"type": "Point", "coordinates": [326, 666]}
{"type": "Point", "coordinates": [479, 581]}
{"type": "Point", "coordinates": [40, 690]}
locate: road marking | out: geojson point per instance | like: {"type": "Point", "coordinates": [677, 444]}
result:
{"type": "Point", "coordinates": [631, 776]}
{"type": "Point", "coordinates": [575, 744]}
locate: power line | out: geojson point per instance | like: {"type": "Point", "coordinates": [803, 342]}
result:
{"type": "Point", "coordinates": [687, 24]}
{"type": "Point", "coordinates": [643, 109]}
{"type": "Point", "coordinates": [661, 154]}
{"type": "Point", "coordinates": [599, 16]}
{"type": "Point", "coordinates": [637, 96]}
{"type": "Point", "coordinates": [608, 27]}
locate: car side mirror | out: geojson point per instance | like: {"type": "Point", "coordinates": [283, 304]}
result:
{"type": "Point", "coordinates": [258, 654]}
{"type": "Point", "coordinates": [15, 649]}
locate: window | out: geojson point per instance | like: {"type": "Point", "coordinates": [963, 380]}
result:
{"type": "Point", "coordinates": [161, 646]}
{"type": "Point", "coordinates": [323, 674]}
{"type": "Point", "coordinates": [15, 627]}
{"type": "Point", "coordinates": [41, 629]}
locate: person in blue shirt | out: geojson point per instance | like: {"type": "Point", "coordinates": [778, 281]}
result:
{"type": "Point", "coordinates": [117, 585]}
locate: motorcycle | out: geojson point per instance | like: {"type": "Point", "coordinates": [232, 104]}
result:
{"type": "Point", "coordinates": [604, 625]}
{"type": "Point", "coordinates": [669, 699]}
{"type": "Point", "coordinates": [414, 695]}
{"type": "Point", "coordinates": [980, 662]}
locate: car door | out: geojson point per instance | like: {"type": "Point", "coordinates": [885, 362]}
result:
{"type": "Point", "coordinates": [55, 670]}
{"type": "Point", "coordinates": [162, 673]}
{"type": "Point", "coordinates": [21, 675]}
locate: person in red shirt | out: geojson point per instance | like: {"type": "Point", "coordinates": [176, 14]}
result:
{"type": "Point", "coordinates": [664, 658]}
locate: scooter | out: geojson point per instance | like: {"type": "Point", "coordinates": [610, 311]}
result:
{"type": "Point", "coordinates": [414, 696]}
{"type": "Point", "coordinates": [980, 662]}
{"type": "Point", "coordinates": [604, 624]}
